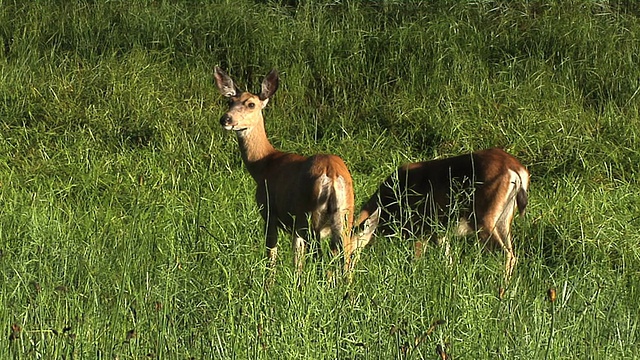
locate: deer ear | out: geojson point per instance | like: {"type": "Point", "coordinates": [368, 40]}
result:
{"type": "Point", "coordinates": [225, 84]}
{"type": "Point", "coordinates": [269, 86]}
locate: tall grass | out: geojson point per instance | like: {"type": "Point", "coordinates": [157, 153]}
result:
{"type": "Point", "coordinates": [128, 226]}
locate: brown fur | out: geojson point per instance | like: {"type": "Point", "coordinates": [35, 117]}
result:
{"type": "Point", "coordinates": [292, 191]}
{"type": "Point", "coordinates": [483, 189]}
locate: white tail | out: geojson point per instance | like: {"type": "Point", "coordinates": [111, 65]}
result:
{"type": "Point", "coordinates": [293, 191]}
{"type": "Point", "coordinates": [480, 190]}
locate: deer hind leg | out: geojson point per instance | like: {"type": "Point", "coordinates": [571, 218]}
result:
{"type": "Point", "coordinates": [500, 236]}
{"type": "Point", "coordinates": [496, 232]}
{"type": "Point", "coordinates": [503, 227]}
{"type": "Point", "coordinates": [339, 242]}
{"type": "Point", "coordinates": [338, 218]}
{"type": "Point", "coordinates": [333, 225]}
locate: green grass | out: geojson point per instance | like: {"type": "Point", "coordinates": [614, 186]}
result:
{"type": "Point", "coordinates": [128, 227]}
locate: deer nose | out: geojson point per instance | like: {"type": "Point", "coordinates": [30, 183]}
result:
{"type": "Point", "coordinates": [226, 120]}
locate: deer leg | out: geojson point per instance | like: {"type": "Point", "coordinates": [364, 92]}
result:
{"type": "Point", "coordinates": [510, 264]}
{"type": "Point", "coordinates": [313, 237]}
{"type": "Point", "coordinates": [335, 244]}
{"type": "Point", "coordinates": [315, 247]}
{"type": "Point", "coordinates": [272, 243]}
{"type": "Point", "coordinates": [507, 246]}
{"type": "Point", "coordinates": [272, 253]}
{"type": "Point", "coordinates": [497, 230]}
{"type": "Point", "coordinates": [340, 240]}
{"type": "Point", "coordinates": [444, 241]}
{"type": "Point", "coordinates": [501, 237]}
{"type": "Point", "coordinates": [298, 245]}
{"type": "Point", "coordinates": [425, 236]}
{"type": "Point", "coordinates": [418, 248]}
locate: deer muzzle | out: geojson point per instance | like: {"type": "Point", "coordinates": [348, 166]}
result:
{"type": "Point", "coordinates": [226, 121]}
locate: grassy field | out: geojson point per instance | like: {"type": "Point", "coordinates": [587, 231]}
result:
{"type": "Point", "coordinates": [128, 228]}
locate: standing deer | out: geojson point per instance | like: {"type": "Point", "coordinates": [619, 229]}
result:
{"type": "Point", "coordinates": [480, 190]}
{"type": "Point", "coordinates": [294, 192]}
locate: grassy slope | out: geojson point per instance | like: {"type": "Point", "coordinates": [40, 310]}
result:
{"type": "Point", "coordinates": [126, 208]}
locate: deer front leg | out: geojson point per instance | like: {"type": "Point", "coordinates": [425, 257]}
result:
{"type": "Point", "coordinates": [272, 253]}
{"type": "Point", "coordinates": [298, 245]}
{"type": "Point", "coordinates": [272, 244]}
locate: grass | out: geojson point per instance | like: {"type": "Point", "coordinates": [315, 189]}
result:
{"type": "Point", "coordinates": [128, 226]}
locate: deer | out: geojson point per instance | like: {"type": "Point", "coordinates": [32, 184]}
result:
{"type": "Point", "coordinates": [311, 197]}
{"type": "Point", "coordinates": [479, 190]}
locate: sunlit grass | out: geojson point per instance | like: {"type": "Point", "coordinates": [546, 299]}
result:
{"type": "Point", "coordinates": [129, 229]}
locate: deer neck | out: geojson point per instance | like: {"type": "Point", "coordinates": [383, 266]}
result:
{"type": "Point", "coordinates": [255, 149]}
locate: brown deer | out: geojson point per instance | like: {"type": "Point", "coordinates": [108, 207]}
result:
{"type": "Point", "coordinates": [310, 197]}
{"type": "Point", "coordinates": [480, 191]}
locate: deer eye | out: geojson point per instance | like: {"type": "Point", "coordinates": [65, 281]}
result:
{"type": "Point", "coordinates": [251, 105]}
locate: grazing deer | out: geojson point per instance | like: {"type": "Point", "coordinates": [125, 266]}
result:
{"type": "Point", "coordinates": [480, 190]}
{"type": "Point", "coordinates": [294, 192]}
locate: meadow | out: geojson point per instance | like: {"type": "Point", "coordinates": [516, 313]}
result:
{"type": "Point", "coordinates": [128, 227]}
